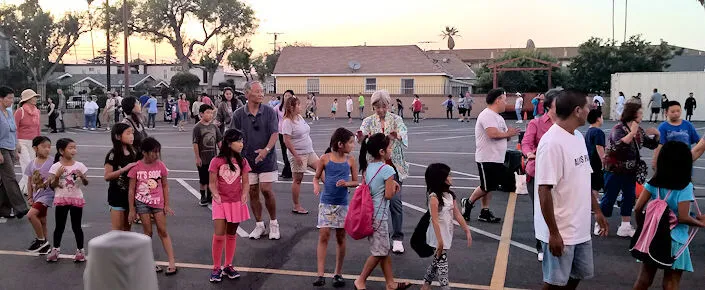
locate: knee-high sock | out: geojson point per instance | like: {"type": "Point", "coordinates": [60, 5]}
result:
{"type": "Point", "coordinates": [230, 245]}
{"type": "Point", "coordinates": [218, 242]}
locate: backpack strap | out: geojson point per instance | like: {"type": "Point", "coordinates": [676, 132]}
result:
{"type": "Point", "coordinates": [364, 180]}
{"type": "Point", "coordinates": [691, 234]}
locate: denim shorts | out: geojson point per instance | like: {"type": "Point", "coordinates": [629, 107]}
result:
{"type": "Point", "coordinates": [143, 208]}
{"type": "Point", "coordinates": [576, 263]}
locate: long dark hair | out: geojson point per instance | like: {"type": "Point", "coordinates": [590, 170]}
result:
{"type": "Point", "coordinates": [436, 176]}
{"type": "Point", "coordinates": [61, 144]}
{"type": "Point", "coordinates": [128, 107]}
{"type": "Point", "coordinates": [115, 133]}
{"type": "Point", "coordinates": [36, 141]}
{"type": "Point", "coordinates": [281, 106]}
{"type": "Point", "coordinates": [372, 145]}
{"type": "Point", "coordinates": [674, 166]}
{"type": "Point", "coordinates": [231, 135]}
{"type": "Point", "coordinates": [341, 135]}
{"type": "Point", "coordinates": [233, 100]}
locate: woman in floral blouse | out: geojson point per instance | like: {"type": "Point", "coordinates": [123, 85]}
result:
{"type": "Point", "coordinates": [621, 163]}
{"type": "Point", "coordinates": [382, 121]}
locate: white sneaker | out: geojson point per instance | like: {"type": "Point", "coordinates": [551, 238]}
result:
{"type": "Point", "coordinates": [397, 247]}
{"type": "Point", "coordinates": [274, 231]}
{"type": "Point", "coordinates": [626, 231]}
{"type": "Point", "coordinates": [84, 128]}
{"type": "Point", "coordinates": [596, 230]}
{"type": "Point", "coordinates": [520, 121]}
{"type": "Point", "coordinates": [258, 231]}
{"type": "Point", "coordinates": [540, 256]}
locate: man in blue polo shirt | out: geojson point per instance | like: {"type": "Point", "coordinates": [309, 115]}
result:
{"type": "Point", "coordinates": [259, 126]}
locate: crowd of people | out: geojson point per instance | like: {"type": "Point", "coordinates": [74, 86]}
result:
{"type": "Point", "coordinates": [234, 147]}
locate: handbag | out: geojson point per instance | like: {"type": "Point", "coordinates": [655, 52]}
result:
{"type": "Point", "coordinates": [642, 170]}
{"type": "Point", "coordinates": [418, 239]}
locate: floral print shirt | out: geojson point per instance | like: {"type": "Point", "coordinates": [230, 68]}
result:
{"type": "Point", "coordinates": [392, 123]}
{"type": "Point", "coordinates": [621, 157]}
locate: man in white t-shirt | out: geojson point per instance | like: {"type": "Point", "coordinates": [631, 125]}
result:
{"type": "Point", "coordinates": [518, 107]}
{"type": "Point", "coordinates": [562, 211]}
{"type": "Point", "coordinates": [491, 135]}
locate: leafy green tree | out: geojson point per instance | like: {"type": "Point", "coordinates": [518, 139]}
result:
{"type": "Point", "coordinates": [522, 81]}
{"type": "Point", "coordinates": [164, 20]}
{"type": "Point", "coordinates": [41, 39]}
{"type": "Point", "coordinates": [185, 82]}
{"type": "Point", "coordinates": [211, 62]}
{"type": "Point", "coordinates": [102, 56]}
{"type": "Point", "coordinates": [240, 59]}
{"type": "Point", "coordinates": [264, 65]}
{"type": "Point", "coordinates": [598, 59]}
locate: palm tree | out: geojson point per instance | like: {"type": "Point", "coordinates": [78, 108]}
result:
{"type": "Point", "coordinates": [90, 20]}
{"type": "Point", "coordinates": [451, 31]}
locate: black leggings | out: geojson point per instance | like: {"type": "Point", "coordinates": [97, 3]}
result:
{"type": "Point", "coordinates": [416, 116]}
{"type": "Point", "coordinates": [449, 113]}
{"type": "Point", "coordinates": [62, 213]}
{"type": "Point", "coordinates": [286, 172]}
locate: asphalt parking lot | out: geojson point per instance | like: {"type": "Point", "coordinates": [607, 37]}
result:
{"type": "Point", "coordinates": [502, 255]}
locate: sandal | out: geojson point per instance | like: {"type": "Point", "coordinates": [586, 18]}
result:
{"type": "Point", "coordinates": [172, 271]}
{"type": "Point", "coordinates": [301, 211]}
{"type": "Point", "coordinates": [402, 286]}
{"type": "Point", "coordinates": [320, 281]}
{"type": "Point", "coordinates": [158, 269]}
{"type": "Point", "coordinates": [338, 281]}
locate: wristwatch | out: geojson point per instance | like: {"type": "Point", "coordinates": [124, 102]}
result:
{"type": "Point", "coordinates": [266, 148]}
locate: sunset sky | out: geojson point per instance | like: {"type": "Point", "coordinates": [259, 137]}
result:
{"type": "Point", "coordinates": [482, 23]}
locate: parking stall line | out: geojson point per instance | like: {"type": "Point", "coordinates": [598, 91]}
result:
{"type": "Point", "coordinates": [499, 274]}
{"type": "Point", "coordinates": [241, 232]}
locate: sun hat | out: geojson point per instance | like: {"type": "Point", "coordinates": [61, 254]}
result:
{"type": "Point", "coordinates": [27, 95]}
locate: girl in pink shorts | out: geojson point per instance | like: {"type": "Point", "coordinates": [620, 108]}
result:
{"type": "Point", "coordinates": [228, 181]}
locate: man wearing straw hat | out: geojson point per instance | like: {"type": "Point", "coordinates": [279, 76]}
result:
{"type": "Point", "coordinates": [28, 125]}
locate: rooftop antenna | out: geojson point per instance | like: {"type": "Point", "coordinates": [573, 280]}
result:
{"type": "Point", "coordinates": [276, 37]}
{"type": "Point", "coordinates": [354, 65]}
{"type": "Point", "coordinates": [423, 43]}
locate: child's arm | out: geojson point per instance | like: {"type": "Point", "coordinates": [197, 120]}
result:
{"type": "Point", "coordinates": [684, 216]}
{"type": "Point", "coordinates": [131, 199]}
{"type": "Point", "coordinates": [30, 190]}
{"type": "Point", "coordinates": [198, 155]}
{"type": "Point", "coordinates": [641, 202]}
{"type": "Point", "coordinates": [213, 186]}
{"type": "Point", "coordinates": [165, 189]}
{"type": "Point", "coordinates": [245, 186]}
{"type": "Point", "coordinates": [433, 208]}
{"type": "Point", "coordinates": [353, 173]}
{"type": "Point", "coordinates": [84, 179]}
{"type": "Point", "coordinates": [319, 172]}
{"type": "Point", "coordinates": [459, 217]}
{"type": "Point", "coordinates": [391, 187]}
{"type": "Point", "coordinates": [112, 175]}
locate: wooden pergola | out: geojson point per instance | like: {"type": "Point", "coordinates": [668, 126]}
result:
{"type": "Point", "coordinates": [497, 67]}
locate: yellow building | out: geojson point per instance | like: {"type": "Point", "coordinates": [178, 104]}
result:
{"type": "Point", "coordinates": [401, 70]}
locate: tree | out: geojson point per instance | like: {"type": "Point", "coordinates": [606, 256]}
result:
{"type": "Point", "coordinates": [102, 56]}
{"type": "Point", "coordinates": [264, 65]}
{"type": "Point", "coordinates": [42, 40]}
{"type": "Point", "coordinates": [163, 20]}
{"type": "Point", "coordinates": [185, 82]}
{"type": "Point", "coordinates": [239, 59]}
{"type": "Point", "coordinates": [212, 63]}
{"type": "Point", "coordinates": [449, 32]}
{"type": "Point", "coordinates": [598, 59]}
{"type": "Point", "coordinates": [522, 81]}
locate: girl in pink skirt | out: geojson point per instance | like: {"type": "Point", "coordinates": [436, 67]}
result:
{"type": "Point", "coordinates": [229, 185]}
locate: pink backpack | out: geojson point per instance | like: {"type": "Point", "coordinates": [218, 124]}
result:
{"type": "Point", "coordinates": [652, 241]}
{"type": "Point", "coordinates": [358, 222]}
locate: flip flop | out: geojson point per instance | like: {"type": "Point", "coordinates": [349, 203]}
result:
{"type": "Point", "coordinates": [299, 211]}
{"type": "Point", "coordinates": [172, 271]}
{"type": "Point", "coordinates": [158, 269]}
{"type": "Point", "coordinates": [402, 286]}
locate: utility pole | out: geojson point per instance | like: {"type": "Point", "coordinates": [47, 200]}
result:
{"type": "Point", "coordinates": [107, 50]}
{"type": "Point", "coordinates": [613, 20]}
{"type": "Point", "coordinates": [276, 36]}
{"type": "Point", "coordinates": [625, 19]}
{"type": "Point", "coordinates": [126, 35]}
{"type": "Point", "coordinates": [90, 21]}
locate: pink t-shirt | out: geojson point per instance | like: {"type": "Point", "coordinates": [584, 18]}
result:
{"type": "Point", "coordinates": [183, 106]}
{"type": "Point", "coordinates": [148, 185]}
{"type": "Point", "coordinates": [207, 100]}
{"type": "Point", "coordinates": [27, 121]}
{"type": "Point", "coordinates": [229, 182]}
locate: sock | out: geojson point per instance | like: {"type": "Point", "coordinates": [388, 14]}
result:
{"type": "Point", "coordinates": [230, 245]}
{"type": "Point", "coordinates": [260, 224]}
{"type": "Point", "coordinates": [41, 239]}
{"type": "Point", "coordinates": [203, 193]}
{"type": "Point", "coordinates": [273, 222]}
{"type": "Point", "coordinates": [218, 242]}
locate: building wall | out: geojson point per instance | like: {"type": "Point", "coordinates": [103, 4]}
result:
{"type": "Point", "coordinates": [676, 85]}
{"type": "Point", "coordinates": [89, 69]}
{"type": "Point", "coordinates": [356, 84]}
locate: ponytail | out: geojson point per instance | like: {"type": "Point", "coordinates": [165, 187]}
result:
{"type": "Point", "coordinates": [363, 154]}
{"type": "Point", "coordinates": [57, 157]}
{"type": "Point", "coordinates": [61, 144]}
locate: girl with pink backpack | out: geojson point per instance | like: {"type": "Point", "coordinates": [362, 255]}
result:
{"type": "Point", "coordinates": [670, 184]}
{"type": "Point", "coordinates": [379, 176]}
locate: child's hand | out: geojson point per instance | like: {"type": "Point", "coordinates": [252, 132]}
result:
{"type": "Point", "coordinates": [60, 171]}
{"type": "Point", "coordinates": [397, 187]}
{"type": "Point", "coordinates": [216, 197]}
{"type": "Point", "coordinates": [198, 161]}
{"type": "Point", "coordinates": [469, 237]}
{"type": "Point", "coordinates": [129, 166]}
{"type": "Point", "coordinates": [244, 197]}
{"type": "Point", "coordinates": [341, 183]}
{"type": "Point", "coordinates": [317, 188]}
{"type": "Point", "coordinates": [131, 217]}
{"type": "Point", "coordinates": [439, 249]}
{"type": "Point", "coordinates": [168, 210]}
{"type": "Point", "coordinates": [701, 218]}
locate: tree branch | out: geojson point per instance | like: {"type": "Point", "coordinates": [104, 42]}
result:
{"type": "Point", "coordinates": [204, 41]}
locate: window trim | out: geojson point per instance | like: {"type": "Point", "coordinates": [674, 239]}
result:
{"type": "Point", "coordinates": [403, 89]}
{"type": "Point", "coordinates": [367, 90]}
{"type": "Point", "coordinates": [318, 85]}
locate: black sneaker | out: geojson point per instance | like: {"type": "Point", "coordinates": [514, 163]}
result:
{"type": "Point", "coordinates": [487, 216]}
{"type": "Point", "coordinates": [465, 208]}
{"type": "Point", "coordinates": [203, 201]}
{"type": "Point", "coordinates": [45, 250]}
{"type": "Point", "coordinates": [209, 197]}
{"type": "Point", "coordinates": [319, 282]}
{"type": "Point", "coordinates": [338, 281]}
{"type": "Point", "coordinates": [37, 245]}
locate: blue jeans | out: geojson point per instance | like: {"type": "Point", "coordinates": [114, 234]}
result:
{"type": "Point", "coordinates": [396, 210]}
{"type": "Point", "coordinates": [519, 118]}
{"type": "Point", "coordinates": [576, 263]}
{"type": "Point", "coordinates": [614, 183]}
{"type": "Point", "coordinates": [89, 120]}
{"type": "Point", "coordinates": [151, 120]}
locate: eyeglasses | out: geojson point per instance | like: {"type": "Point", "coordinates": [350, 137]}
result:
{"type": "Point", "coordinates": [255, 125]}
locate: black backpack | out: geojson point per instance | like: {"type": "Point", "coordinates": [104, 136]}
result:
{"type": "Point", "coordinates": [418, 239]}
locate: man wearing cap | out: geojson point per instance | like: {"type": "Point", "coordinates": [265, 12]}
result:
{"type": "Point", "coordinates": [28, 126]}
{"type": "Point", "coordinates": [10, 194]}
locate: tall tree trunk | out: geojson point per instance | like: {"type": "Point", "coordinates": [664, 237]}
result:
{"type": "Point", "coordinates": [209, 85]}
{"type": "Point", "coordinates": [42, 90]}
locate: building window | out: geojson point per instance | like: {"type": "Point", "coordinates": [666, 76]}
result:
{"type": "Point", "coordinates": [407, 86]}
{"type": "Point", "coordinates": [312, 86]}
{"type": "Point", "coordinates": [370, 85]}
{"type": "Point", "coordinates": [205, 76]}
{"type": "Point", "coordinates": [91, 69]}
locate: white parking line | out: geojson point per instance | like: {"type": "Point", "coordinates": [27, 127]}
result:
{"type": "Point", "coordinates": [448, 138]}
{"type": "Point", "coordinates": [197, 195]}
